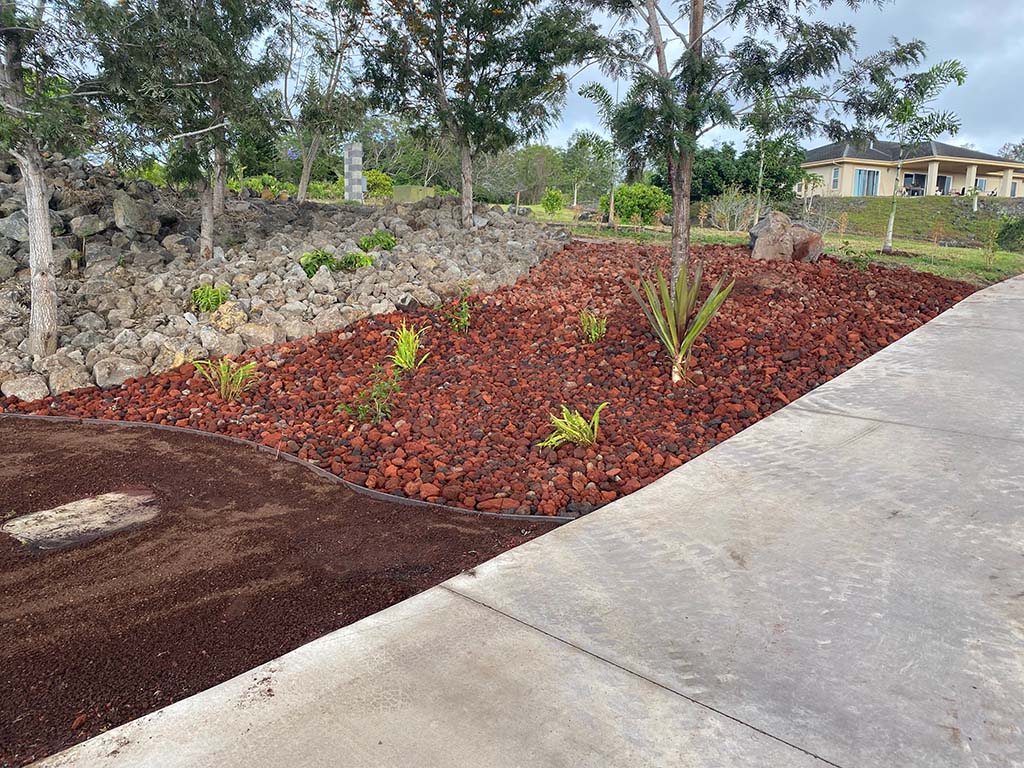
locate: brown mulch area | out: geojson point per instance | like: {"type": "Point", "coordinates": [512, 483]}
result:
{"type": "Point", "coordinates": [464, 429]}
{"type": "Point", "coordinates": [249, 558]}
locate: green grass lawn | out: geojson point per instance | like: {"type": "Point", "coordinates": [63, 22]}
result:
{"type": "Point", "coordinates": [972, 265]}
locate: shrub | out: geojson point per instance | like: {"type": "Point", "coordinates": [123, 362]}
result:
{"type": "Point", "coordinates": [1011, 236]}
{"type": "Point", "coordinates": [323, 190]}
{"type": "Point", "coordinates": [593, 326]}
{"type": "Point", "coordinates": [311, 261]}
{"type": "Point", "coordinates": [264, 181]}
{"type": "Point", "coordinates": [378, 184]}
{"type": "Point", "coordinates": [374, 403]}
{"type": "Point", "coordinates": [459, 313]}
{"type": "Point", "coordinates": [353, 261]}
{"type": "Point", "coordinates": [206, 298]}
{"type": "Point", "coordinates": [733, 210]}
{"type": "Point", "coordinates": [552, 201]}
{"type": "Point", "coordinates": [573, 428]}
{"type": "Point", "coordinates": [641, 200]}
{"type": "Point", "coordinates": [379, 239]}
{"type": "Point", "coordinates": [407, 348]}
{"type": "Point", "coordinates": [228, 378]}
{"type": "Point", "coordinates": [672, 315]}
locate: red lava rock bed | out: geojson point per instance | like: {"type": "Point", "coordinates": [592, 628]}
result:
{"type": "Point", "coordinates": [464, 428]}
{"type": "Point", "coordinates": [248, 558]}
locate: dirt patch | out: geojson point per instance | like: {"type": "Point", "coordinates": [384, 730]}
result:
{"type": "Point", "coordinates": [249, 558]}
{"type": "Point", "coordinates": [464, 430]}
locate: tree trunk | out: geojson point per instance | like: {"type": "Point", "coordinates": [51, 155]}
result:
{"type": "Point", "coordinates": [308, 158]}
{"type": "Point", "coordinates": [681, 172]}
{"type": "Point", "coordinates": [760, 186]}
{"type": "Point", "coordinates": [220, 179]}
{"type": "Point", "coordinates": [42, 323]}
{"type": "Point", "coordinates": [887, 245]}
{"type": "Point", "coordinates": [466, 159]}
{"type": "Point", "coordinates": [575, 193]}
{"type": "Point", "coordinates": [611, 207]}
{"type": "Point", "coordinates": [206, 195]}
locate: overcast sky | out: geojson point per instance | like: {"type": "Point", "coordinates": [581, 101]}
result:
{"type": "Point", "coordinates": [986, 35]}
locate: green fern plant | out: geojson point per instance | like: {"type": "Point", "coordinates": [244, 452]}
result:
{"type": "Point", "coordinates": [593, 326]}
{"type": "Point", "coordinates": [407, 347]}
{"type": "Point", "coordinates": [227, 377]}
{"type": "Point", "coordinates": [572, 427]}
{"type": "Point", "coordinates": [672, 316]}
{"type": "Point", "coordinates": [206, 298]}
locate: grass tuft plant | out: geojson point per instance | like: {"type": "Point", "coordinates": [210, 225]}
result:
{"type": "Point", "coordinates": [374, 403]}
{"type": "Point", "coordinates": [206, 298]}
{"type": "Point", "coordinates": [407, 347]}
{"type": "Point", "coordinates": [227, 377]}
{"type": "Point", "coordinates": [378, 239]}
{"type": "Point", "coordinates": [593, 326]}
{"type": "Point", "coordinates": [672, 316]}
{"type": "Point", "coordinates": [573, 428]}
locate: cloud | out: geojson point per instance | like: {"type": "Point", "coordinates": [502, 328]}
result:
{"type": "Point", "coordinates": [983, 34]}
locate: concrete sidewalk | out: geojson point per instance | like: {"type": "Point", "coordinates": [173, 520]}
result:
{"type": "Point", "coordinates": [841, 584]}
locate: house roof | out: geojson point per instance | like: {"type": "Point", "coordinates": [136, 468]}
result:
{"type": "Point", "coordinates": [888, 151]}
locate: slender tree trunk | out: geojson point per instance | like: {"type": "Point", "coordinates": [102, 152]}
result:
{"type": "Point", "coordinates": [220, 179]}
{"type": "Point", "coordinates": [205, 190]}
{"type": "Point", "coordinates": [760, 187]}
{"type": "Point", "coordinates": [611, 206]}
{"type": "Point", "coordinates": [575, 193]}
{"type": "Point", "coordinates": [42, 323]}
{"type": "Point", "coordinates": [466, 160]}
{"type": "Point", "coordinates": [681, 172]}
{"type": "Point", "coordinates": [891, 226]}
{"type": "Point", "coordinates": [308, 158]}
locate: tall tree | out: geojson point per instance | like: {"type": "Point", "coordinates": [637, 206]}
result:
{"type": "Point", "coordinates": [317, 92]}
{"type": "Point", "coordinates": [42, 90]}
{"type": "Point", "coordinates": [1013, 151]}
{"type": "Point", "coordinates": [181, 72]}
{"type": "Point", "coordinates": [902, 106]}
{"type": "Point", "coordinates": [487, 74]}
{"type": "Point", "coordinates": [586, 165]}
{"type": "Point", "coordinates": [727, 55]}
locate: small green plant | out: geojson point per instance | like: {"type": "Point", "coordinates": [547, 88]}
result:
{"type": "Point", "coordinates": [206, 298]}
{"type": "Point", "coordinates": [354, 260]}
{"type": "Point", "coordinates": [407, 347]}
{"type": "Point", "coordinates": [227, 377]}
{"type": "Point", "coordinates": [459, 312]}
{"type": "Point", "coordinates": [552, 201]}
{"type": "Point", "coordinates": [672, 316]}
{"type": "Point", "coordinates": [572, 427]}
{"type": "Point", "coordinates": [593, 326]}
{"type": "Point", "coordinates": [374, 403]}
{"type": "Point", "coordinates": [379, 239]}
{"type": "Point", "coordinates": [311, 261]}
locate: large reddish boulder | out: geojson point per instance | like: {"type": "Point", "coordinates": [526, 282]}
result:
{"type": "Point", "coordinates": [777, 238]}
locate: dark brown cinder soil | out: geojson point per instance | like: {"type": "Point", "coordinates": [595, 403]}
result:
{"type": "Point", "coordinates": [250, 557]}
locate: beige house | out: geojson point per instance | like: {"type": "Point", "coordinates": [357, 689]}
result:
{"type": "Point", "coordinates": [932, 168]}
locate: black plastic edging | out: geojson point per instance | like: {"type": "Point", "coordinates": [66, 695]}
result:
{"type": "Point", "coordinates": [320, 471]}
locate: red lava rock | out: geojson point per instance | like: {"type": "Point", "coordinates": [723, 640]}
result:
{"type": "Point", "coordinates": [464, 428]}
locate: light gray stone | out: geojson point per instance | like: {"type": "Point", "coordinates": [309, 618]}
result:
{"type": "Point", "coordinates": [31, 387]}
{"type": "Point", "coordinates": [131, 215]}
{"type": "Point", "coordinates": [260, 334]}
{"type": "Point", "coordinates": [79, 522]}
{"type": "Point", "coordinates": [87, 226]}
{"type": "Point", "coordinates": [113, 371]}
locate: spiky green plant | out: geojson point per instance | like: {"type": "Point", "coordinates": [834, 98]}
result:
{"type": "Point", "coordinates": [227, 377]}
{"type": "Point", "coordinates": [206, 298]}
{"type": "Point", "coordinates": [572, 427]}
{"type": "Point", "coordinates": [407, 347]}
{"type": "Point", "coordinates": [593, 326]}
{"type": "Point", "coordinates": [671, 313]}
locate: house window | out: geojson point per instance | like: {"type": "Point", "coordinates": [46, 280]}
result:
{"type": "Point", "coordinates": [1013, 189]}
{"type": "Point", "coordinates": [980, 184]}
{"type": "Point", "coordinates": [835, 178]}
{"type": "Point", "coordinates": [865, 183]}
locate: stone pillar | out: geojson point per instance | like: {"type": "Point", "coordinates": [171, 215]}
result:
{"type": "Point", "coordinates": [1007, 186]}
{"type": "Point", "coordinates": [972, 178]}
{"type": "Point", "coordinates": [355, 184]}
{"type": "Point", "coordinates": [933, 178]}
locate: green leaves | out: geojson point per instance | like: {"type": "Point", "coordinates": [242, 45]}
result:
{"type": "Point", "coordinates": [671, 312]}
{"type": "Point", "coordinates": [407, 347]}
{"type": "Point", "coordinates": [572, 427]}
{"type": "Point", "coordinates": [228, 378]}
{"type": "Point", "coordinates": [206, 298]}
